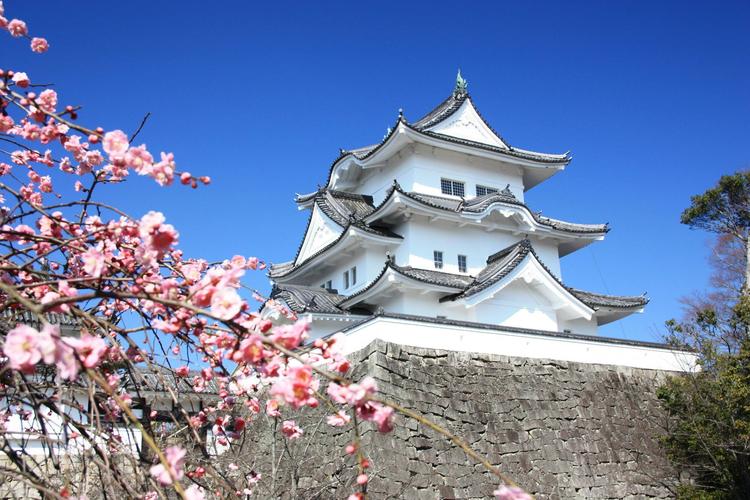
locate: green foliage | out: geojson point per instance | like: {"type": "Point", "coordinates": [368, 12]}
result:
{"type": "Point", "coordinates": [724, 208]}
{"type": "Point", "coordinates": [709, 436]}
{"type": "Point", "coordinates": [709, 429]}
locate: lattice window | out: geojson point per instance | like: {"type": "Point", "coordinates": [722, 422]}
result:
{"type": "Point", "coordinates": [350, 277]}
{"type": "Point", "coordinates": [438, 258]}
{"type": "Point", "coordinates": [483, 190]}
{"type": "Point", "coordinates": [455, 188]}
{"type": "Point", "coordinates": [462, 263]}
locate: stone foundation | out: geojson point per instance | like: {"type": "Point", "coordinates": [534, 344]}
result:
{"type": "Point", "coordinates": [560, 429]}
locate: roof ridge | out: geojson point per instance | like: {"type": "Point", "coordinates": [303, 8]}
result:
{"type": "Point", "coordinates": [525, 245]}
{"type": "Point", "coordinates": [442, 111]}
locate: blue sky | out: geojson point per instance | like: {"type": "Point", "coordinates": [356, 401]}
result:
{"type": "Point", "coordinates": [651, 97]}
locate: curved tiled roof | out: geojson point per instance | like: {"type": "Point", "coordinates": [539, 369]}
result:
{"type": "Point", "coordinates": [499, 265]}
{"type": "Point", "coordinates": [502, 263]}
{"type": "Point", "coordinates": [302, 298]}
{"type": "Point", "coordinates": [428, 276]}
{"type": "Point", "coordinates": [278, 270]}
{"type": "Point", "coordinates": [441, 112]}
{"type": "Point", "coordinates": [160, 378]}
{"type": "Point", "coordinates": [444, 110]}
{"type": "Point", "coordinates": [597, 300]}
{"type": "Point", "coordinates": [29, 318]}
{"type": "Point", "coordinates": [343, 207]}
{"type": "Point", "coordinates": [482, 203]}
{"type": "Point", "coordinates": [366, 152]}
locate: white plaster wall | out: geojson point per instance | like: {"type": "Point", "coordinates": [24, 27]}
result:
{"type": "Point", "coordinates": [369, 262]}
{"type": "Point", "coordinates": [322, 326]}
{"type": "Point", "coordinates": [419, 168]}
{"type": "Point", "coordinates": [422, 238]}
{"type": "Point", "coordinates": [27, 435]}
{"type": "Point", "coordinates": [320, 233]}
{"type": "Point", "coordinates": [377, 181]}
{"type": "Point", "coordinates": [525, 345]}
{"type": "Point", "coordinates": [518, 305]}
{"type": "Point", "coordinates": [580, 325]}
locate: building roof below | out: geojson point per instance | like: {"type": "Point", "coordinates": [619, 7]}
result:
{"type": "Point", "coordinates": [308, 299]}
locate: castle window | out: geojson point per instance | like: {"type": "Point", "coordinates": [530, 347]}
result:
{"type": "Point", "coordinates": [461, 263]}
{"type": "Point", "coordinates": [455, 188]}
{"type": "Point", "coordinates": [483, 190]}
{"type": "Point", "coordinates": [350, 277]}
{"type": "Point", "coordinates": [438, 258]}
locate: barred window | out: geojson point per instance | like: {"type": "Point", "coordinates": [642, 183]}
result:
{"type": "Point", "coordinates": [483, 190]}
{"type": "Point", "coordinates": [455, 188]}
{"type": "Point", "coordinates": [462, 263]}
{"type": "Point", "coordinates": [438, 258]}
{"type": "Point", "coordinates": [350, 277]}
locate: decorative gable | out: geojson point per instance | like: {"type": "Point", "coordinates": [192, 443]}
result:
{"type": "Point", "coordinates": [321, 231]}
{"type": "Point", "coordinates": [465, 123]}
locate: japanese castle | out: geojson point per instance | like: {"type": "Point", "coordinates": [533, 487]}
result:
{"type": "Point", "coordinates": [425, 239]}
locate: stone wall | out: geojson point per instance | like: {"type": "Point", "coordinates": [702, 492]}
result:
{"type": "Point", "coordinates": [560, 429]}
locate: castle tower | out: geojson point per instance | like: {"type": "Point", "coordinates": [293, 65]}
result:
{"type": "Point", "coordinates": [430, 226]}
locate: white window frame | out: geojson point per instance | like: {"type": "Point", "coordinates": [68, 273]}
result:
{"type": "Point", "coordinates": [453, 187]}
{"type": "Point", "coordinates": [350, 277]}
{"type": "Point", "coordinates": [465, 264]}
{"type": "Point", "coordinates": [486, 189]}
{"type": "Point", "coordinates": [437, 259]}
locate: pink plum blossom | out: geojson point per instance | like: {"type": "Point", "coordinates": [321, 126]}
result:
{"type": "Point", "coordinates": [21, 79]}
{"type": "Point", "coordinates": [175, 457]}
{"type": "Point", "coordinates": [93, 261]}
{"type": "Point", "coordinates": [115, 142]}
{"type": "Point", "coordinates": [39, 45]}
{"type": "Point", "coordinates": [226, 303]}
{"type": "Point", "coordinates": [156, 235]}
{"type": "Point", "coordinates": [89, 348]}
{"type": "Point", "coordinates": [65, 361]}
{"type": "Point", "coordinates": [291, 336]}
{"type": "Point", "coordinates": [195, 492]}
{"type": "Point", "coordinates": [511, 493]}
{"type": "Point", "coordinates": [17, 28]}
{"type": "Point", "coordinates": [291, 430]}
{"type": "Point", "coordinates": [383, 418]}
{"type": "Point", "coordinates": [6, 123]}
{"type": "Point", "coordinates": [339, 419]}
{"type": "Point", "coordinates": [47, 101]}
{"type": "Point", "coordinates": [297, 387]}
{"type": "Point", "coordinates": [21, 348]}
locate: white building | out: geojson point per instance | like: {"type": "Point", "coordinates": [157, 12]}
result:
{"type": "Point", "coordinates": [429, 227]}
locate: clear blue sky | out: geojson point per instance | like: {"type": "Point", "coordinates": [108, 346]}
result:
{"type": "Point", "coordinates": [652, 98]}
